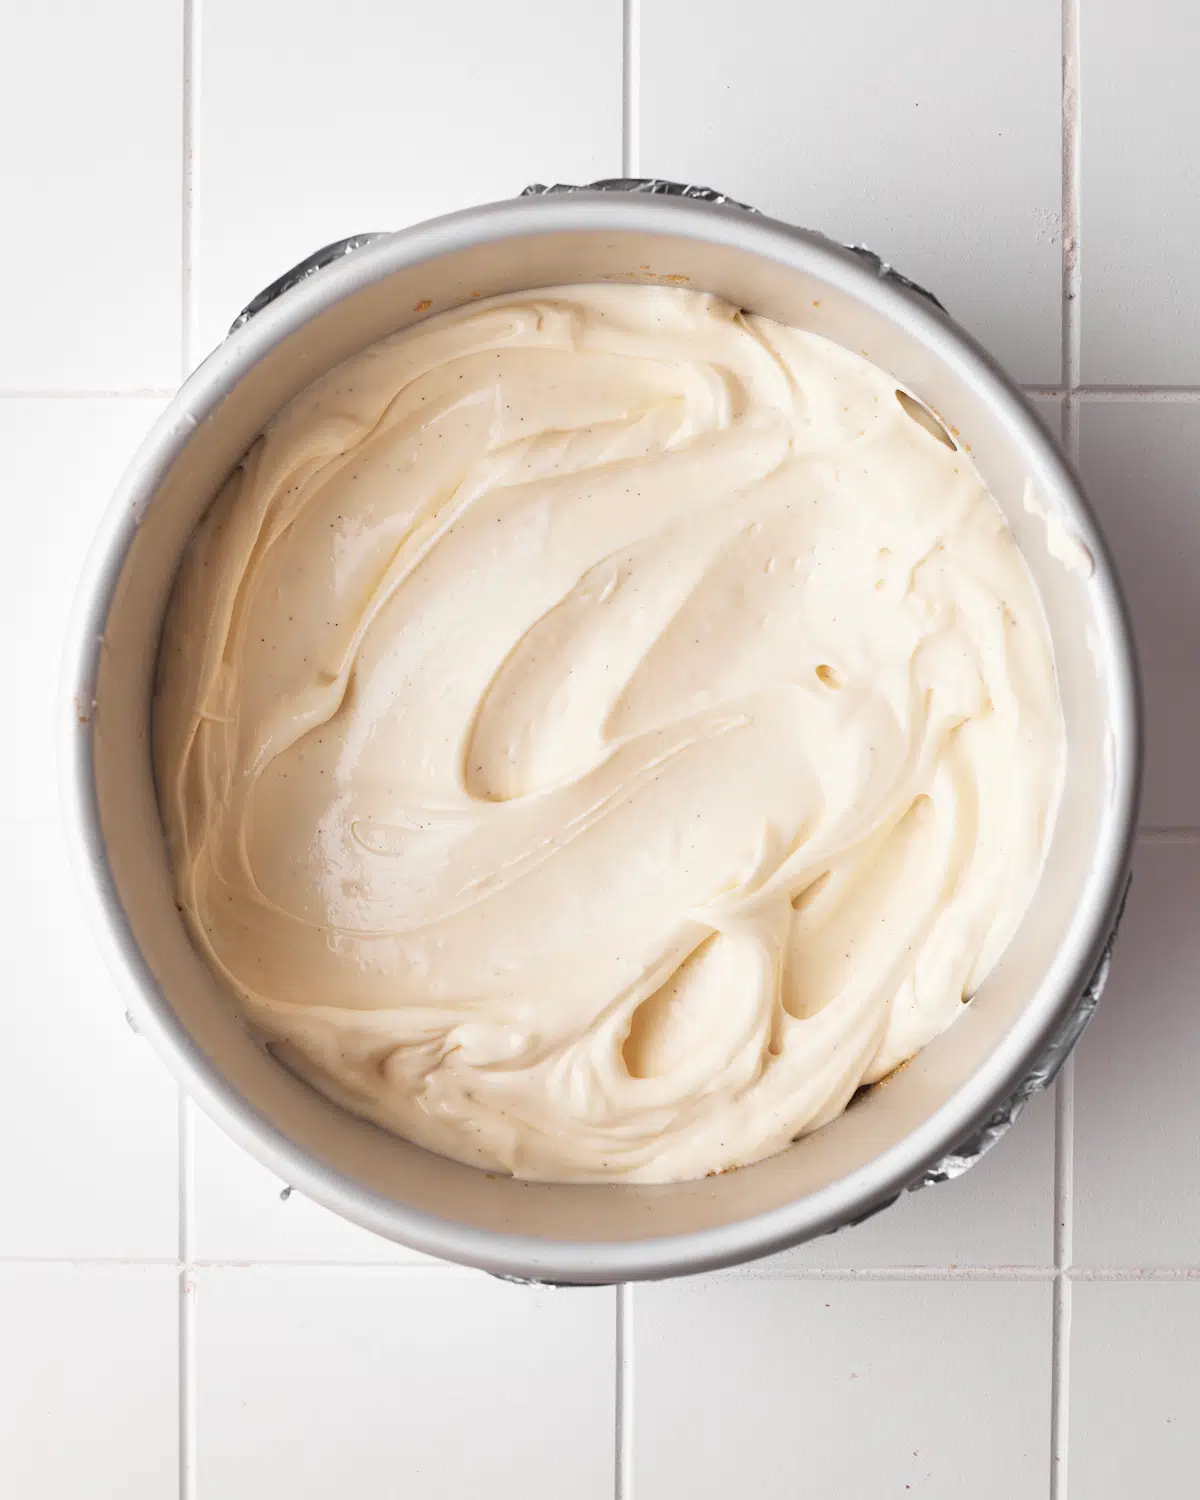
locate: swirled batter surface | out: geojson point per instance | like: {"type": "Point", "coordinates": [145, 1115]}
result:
{"type": "Point", "coordinates": [598, 730]}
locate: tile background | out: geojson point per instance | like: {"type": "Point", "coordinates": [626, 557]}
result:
{"type": "Point", "coordinates": [170, 1324]}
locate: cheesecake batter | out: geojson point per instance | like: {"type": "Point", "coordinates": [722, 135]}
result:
{"type": "Point", "coordinates": [598, 730]}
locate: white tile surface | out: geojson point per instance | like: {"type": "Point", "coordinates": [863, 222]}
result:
{"type": "Point", "coordinates": [242, 1213]}
{"type": "Point", "coordinates": [91, 112]}
{"type": "Point", "coordinates": [378, 1383]}
{"type": "Point", "coordinates": [875, 122]}
{"type": "Point", "coordinates": [88, 1383]}
{"type": "Point", "coordinates": [856, 1390]}
{"type": "Point", "coordinates": [87, 1116]}
{"type": "Point", "coordinates": [1137, 1110]}
{"type": "Point", "coordinates": [1135, 1390]}
{"type": "Point", "coordinates": [95, 1114]}
{"type": "Point", "coordinates": [934, 133]}
{"type": "Point", "coordinates": [1141, 464]}
{"type": "Point", "coordinates": [1140, 116]}
{"type": "Point", "coordinates": [377, 116]}
{"type": "Point", "coordinates": [62, 459]}
{"type": "Point", "coordinates": [1001, 1213]}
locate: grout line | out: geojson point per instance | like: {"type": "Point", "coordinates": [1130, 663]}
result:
{"type": "Point", "coordinates": [185, 1182]}
{"type": "Point", "coordinates": [187, 1279]}
{"type": "Point", "coordinates": [147, 1262]}
{"type": "Point", "coordinates": [1114, 392]}
{"type": "Point", "coordinates": [187, 226]}
{"type": "Point", "coordinates": [875, 1273]}
{"type": "Point", "coordinates": [1071, 270]}
{"type": "Point", "coordinates": [1174, 395]}
{"type": "Point", "coordinates": [890, 1273]}
{"type": "Point", "coordinates": [187, 1304]}
{"type": "Point", "coordinates": [1060, 1334]}
{"type": "Point", "coordinates": [1129, 1273]}
{"type": "Point", "coordinates": [187, 1384]}
{"type": "Point", "coordinates": [1064, 1168]}
{"type": "Point", "coordinates": [429, 1267]}
{"type": "Point", "coordinates": [16, 394]}
{"type": "Point", "coordinates": [1060, 1374]}
{"type": "Point", "coordinates": [1064, 1103]}
{"type": "Point", "coordinates": [623, 1466]}
{"type": "Point", "coordinates": [1168, 835]}
{"type": "Point", "coordinates": [94, 1263]}
{"type": "Point", "coordinates": [631, 61]}
{"type": "Point", "coordinates": [1066, 1274]}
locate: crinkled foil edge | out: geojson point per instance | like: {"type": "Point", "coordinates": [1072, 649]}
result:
{"type": "Point", "coordinates": [1047, 1069]}
{"type": "Point", "coordinates": [658, 186]}
{"type": "Point", "coordinates": [301, 271]}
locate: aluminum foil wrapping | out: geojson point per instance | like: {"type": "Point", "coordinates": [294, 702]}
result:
{"type": "Point", "coordinates": [309, 266]}
{"type": "Point", "coordinates": [651, 186]}
{"type": "Point", "coordinates": [1040, 1077]}
{"type": "Point", "coordinates": [1047, 1069]}
{"type": "Point", "coordinates": [658, 186]}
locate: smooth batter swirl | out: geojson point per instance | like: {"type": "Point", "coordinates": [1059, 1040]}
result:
{"type": "Point", "coordinates": [598, 730]}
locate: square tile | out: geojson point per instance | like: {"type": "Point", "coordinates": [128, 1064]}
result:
{"type": "Point", "coordinates": [777, 1388]}
{"type": "Point", "coordinates": [378, 1383]}
{"type": "Point", "coordinates": [1135, 1390]}
{"type": "Point", "coordinates": [62, 458]}
{"type": "Point", "coordinates": [1137, 1110]}
{"type": "Point", "coordinates": [893, 125]}
{"type": "Point", "coordinates": [87, 1112]}
{"type": "Point", "coordinates": [323, 128]}
{"type": "Point", "coordinates": [1141, 466]}
{"type": "Point", "coordinates": [91, 102]}
{"type": "Point", "coordinates": [241, 1212]}
{"type": "Point", "coordinates": [1000, 1213]}
{"type": "Point", "coordinates": [89, 1394]}
{"type": "Point", "coordinates": [1140, 215]}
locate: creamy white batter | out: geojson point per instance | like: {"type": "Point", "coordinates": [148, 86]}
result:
{"type": "Point", "coordinates": [599, 730]}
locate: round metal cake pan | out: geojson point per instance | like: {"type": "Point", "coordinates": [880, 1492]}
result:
{"type": "Point", "coordinates": [927, 1121]}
